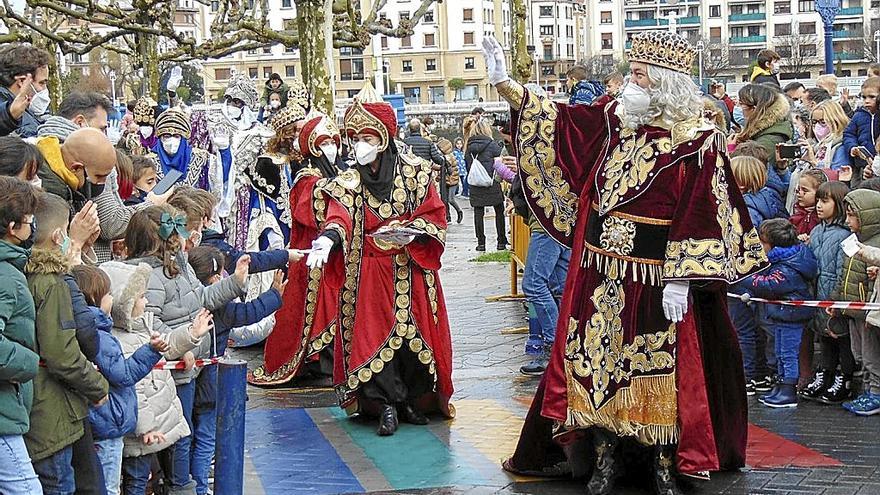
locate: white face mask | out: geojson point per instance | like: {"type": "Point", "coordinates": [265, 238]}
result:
{"type": "Point", "coordinates": [37, 182]}
{"type": "Point", "coordinates": [365, 153]}
{"type": "Point", "coordinates": [171, 144]}
{"type": "Point", "coordinates": [233, 112]}
{"type": "Point", "coordinates": [330, 150]}
{"type": "Point", "coordinates": [40, 102]}
{"type": "Point", "coordinates": [636, 99]}
{"type": "Point", "coordinates": [146, 131]}
{"type": "Point", "coordinates": [275, 104]}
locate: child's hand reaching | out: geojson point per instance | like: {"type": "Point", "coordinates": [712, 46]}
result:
{"type": "Point", "coordinates": [805, 238]}
{"type": "Point", "coordinates": [293, 255]}
{"type": "Point", "coordinates": [278, 283]}
{"type": "Point", "coordinates": [153, 437]}
{"type": "Point", "coordinates": [241, 269]}
{"type": "Point", "coordinates": [201, 324]}
{"type": "Point", "coordinates": [872, 272]}
{"type": "Point", "coordinates": [189, 361]}
{"type": "Point", "coordinates": [157, 343]}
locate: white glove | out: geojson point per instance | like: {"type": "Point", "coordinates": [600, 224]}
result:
{"type": "Point", "coordinates": [221, 141]}
{"type": "Point", "coordinates": [114, 131]}
{"type": "Point", "coordinates": [675, 300]}
{"type": "Point", "coordinates": [496, 66]}
{"type": "Point", "coordinates": [174, 79]}
{"type": "Point", "coordinates": [320, 252]}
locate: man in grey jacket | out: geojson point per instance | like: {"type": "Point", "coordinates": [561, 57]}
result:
{"type": "Point", "coordinates": [421, 146]}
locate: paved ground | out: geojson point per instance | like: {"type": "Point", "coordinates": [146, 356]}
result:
{"type": "Point", "coordinates": [299, 442]}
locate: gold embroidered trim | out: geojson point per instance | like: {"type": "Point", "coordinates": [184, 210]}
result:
{"type": "Point", "coordinates": [618, 235]}
{"type": "Point", "coordinates": [537, 158]}
{"type": "Point", "coordinates": [513, 92]}
{"type": "Point", "coordinates": [629, 166]}
{"type": "Point", "coordinates": [634, 218]}
{"type": "Point", "coordinates": [642, 270]}
{"type": "Point", "coordinates": [430, 229]}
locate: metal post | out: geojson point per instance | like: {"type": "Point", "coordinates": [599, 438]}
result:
{"type": "Point", "coordinates": [701, 47]}
{"type": "Point", "coordinates": [537, 68]}
{"type": "Point", "coordinates": [231, 398]}
{"type": "Point", "coordinates": [877, 39]}
{"type": "Point", "coordinates": [828, 10]}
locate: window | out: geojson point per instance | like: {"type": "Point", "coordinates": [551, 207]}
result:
{"type": "Point", "coordinates": [467, 15]}
{"type": "Point", "coordinates": [429, 17]}
{"type": "Point", "coordinates": [782, 29]}
{"type": "Point", "coordinates": [351, 64]}
{"type": "Point", "coordinates": [353, 92]}
{"type": "Point", "coordinates": [808, 50]}
{"type": "Point", "coordinates": [784, 51]}
{"type": "Point", "coordinates": [469, 63]}
{"type": "Point", "coordinates": [289, 49]}
{"type": "Point", "coordinates": [437, 94]}
{"type": "Point", "coordinates": [252, 72]}
{"type": "Point", "coordinates": [468, 93]}
{"type": "Point", "coordinates": [546, 30]}
{"type": "Point", "coordinates": [547, 70]}
{"type": "Point", "coordinates": [605, 18]}
{"type": "Point", "coordinates": [569, 31]}
{"type": "Point", "coordinates": [607, 60]}
{"type": "Point", "coordinates": [714, 11]}
{"type": "Point", "coordinates": [431, 64]}
{"type": "Point", "coordinates": [221, 74]}
{"type": "Point", "coordinates": [407, 66]}
{"type": "Point", "coordinates": [783, 7]}
{"type": "Point", "coordinates": [286, 4]}
{"type": "Point", "coordinates": [289, 71]}
{"type": "Point", "coordinates": [548, 52]}
{"type": "Point", "coordinates": [384, 42]}
{"type": "Point", "coordinates": [412, 95]}
{"type": "Point", "coordinates": [715, 34]}
{"type": "Point", "coordinates": [806, 5]}
{"type": "Point", "coordinates": [403, 15]}
{"type": "Point", "coordinates": [469, 38]}
{"type": "Point", "coordinates": [570, 50]}
{"type": "Point", "coordinates": [807, 28]}
{"type": "Point", "coordinates": [406, 42]}
{"type": "Point", "coordinates": [215, 6]}
{"type": "Point", "coordinates": [267, 50]}
{"type": "Point", "coordinates": [267, 71]}
{"type": "Point", "coordinates": [545, 11]}
{"type": "Point", "coordinates": [607, 41]}
{"type": "Point", "coordinates": [429, 39]}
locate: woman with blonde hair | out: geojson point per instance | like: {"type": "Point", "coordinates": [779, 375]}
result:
{"type": "Point", "coordinates": [480, 146]}
{"type": "Point", "coordinates": [829, 122]}
{"type": "Point", "coordinates": [768, 118]}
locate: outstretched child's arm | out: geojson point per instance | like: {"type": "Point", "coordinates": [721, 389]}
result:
{"type": "Point", "coordinates": [772, 284]}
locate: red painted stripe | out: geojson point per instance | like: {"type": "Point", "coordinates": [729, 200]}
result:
{"type": "Point", "coordinates": [769, 450]}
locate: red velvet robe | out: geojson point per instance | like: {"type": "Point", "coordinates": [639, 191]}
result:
{"type": "Point", "coordinates": [305, 324]}
{"type": "Point", "coordinates": [639, 208]}
{"type": "Point", "coordinates": [390, 296]}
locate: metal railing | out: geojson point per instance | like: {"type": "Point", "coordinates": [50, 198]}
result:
{"type": "Point", "coordinates": [754, 16]}
{"type": "Point", "coordinates": [748, 39]}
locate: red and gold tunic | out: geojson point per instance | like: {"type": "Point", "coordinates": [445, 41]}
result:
{"type": "Point", "coordinates": [640, 208]}
{"type": "Point", "coordinates": [391, 300]}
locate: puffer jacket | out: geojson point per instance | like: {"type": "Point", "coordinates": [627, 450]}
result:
{"type": "Point", "coordinates": [424, 148]}
{"type": "Point", "coordinates": [771, 128]}
{"type": "Point", "coordinates": [486, 150]}
{"type": "Point", "coordinates": [176, 301]}
{"type": "Point", "coordinates": [765, 204]}
{"type": "Point", "coordinates": [118, 416]}
{"type": "Point", "coordinates": [67, 383]}
{"type": "Point", "coordinates": [852, 282]}
{"type": "Point", "coordinates": [585, 92]}
{"type": "Point", "coordinates": [825, 240]}
{"type": "Point", "coordinates": [862, 130]}
{"type": "Point", "coordinates": [790, 277]}
{"type": "Point", "coordinates": [158, 407]}
{"type": "Point", "coordinates": [18, 357]}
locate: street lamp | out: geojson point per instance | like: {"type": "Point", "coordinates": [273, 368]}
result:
{"type": "Point", "coordinates": [877, 41]}
{"type": "Point", "coordinates": [113, 88]}
{"type": "Point", "coordinates": [701, 47]}
{"type": "Point", "coordinates": [673, 15]}
{"type": "Point", "coordinates": [828, 10]}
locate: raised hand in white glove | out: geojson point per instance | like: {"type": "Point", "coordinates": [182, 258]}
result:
{"type": "Point", "coordinates": [496, 65]}
{"type": "Point", "coordinates": [320, 252]}
{"type": "Point", "coordinates": [174, 79]}
{"type": "Point", "coordinates": [675, 300]}
{"type": "Point", "coordinates": [114, 131]}
{"type": "Point", "coordinates": [221, 141]}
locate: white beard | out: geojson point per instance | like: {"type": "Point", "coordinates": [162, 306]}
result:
{"type": "Point", "coordinates": [633, 120]}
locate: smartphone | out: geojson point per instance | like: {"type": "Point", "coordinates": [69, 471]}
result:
{"type": "Point", "coordinates": [790, 151]}
{"type": "Point", "coordinates": [171, 178]}
{"type": "Point", "coordinates": [862, 157]}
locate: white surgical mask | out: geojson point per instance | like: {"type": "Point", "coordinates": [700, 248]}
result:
{"type": "Point", "coordinates": [365, 153]}
{"type": "Point", "coordinates": [274, 103]}
{"type": "Point", "coordinates": [40, 102]}
{"type": "Point", "coordinates": [171, 144]}
{"type": "Point", "coordinates": [37, 182]}
{"type": "Point", "coordinates": [330, 150]}
{"type": "Point", "coordinates": [233, 112]}
{"type": "Point", "coordinates": [636, 99]}
{"type": "Point", "coordinates": [146, 131]}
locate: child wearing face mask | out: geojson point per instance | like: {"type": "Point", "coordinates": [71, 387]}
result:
{"type": "Point", "coordinates": [804, 215]}
{"type": "Point", "coordinates": [145, 179]}
{"type": "Point", "coordinates": [829, 123]}
{"type": "Point", "coordinates": [272, 108]}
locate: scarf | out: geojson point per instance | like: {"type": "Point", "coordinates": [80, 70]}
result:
{"type": "Point", "coordinates": [50, 147]}
{"type": "Point", "coordinates": [56, 126]}
{"type": "Point", "coordinates": [180, 161]}
{"type": "Point", "coordinates": [380, 183]}
{"type": "Point", "coordinates": [328, 170]}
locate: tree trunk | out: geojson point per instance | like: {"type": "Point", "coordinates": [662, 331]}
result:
{"type": "Point", "coordinates": [522, 62]}
{"type": "Point", "coordinates": [147, 61]}
{"type": "Point", "coordinates": [312, 53]}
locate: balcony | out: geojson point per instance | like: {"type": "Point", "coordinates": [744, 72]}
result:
{"type": "Point", "coordinates": [629, 45]}
{"type": "Point", "coordinates": [748, 39]}
{"type": "Point", "coordinates": [843, 34]}
{"type": "Point", "coordinates": [850, 11]}
{"type": "Point", "coordinates": [848, 56]}
{"type": "Point", "coordinates": [689, 20]}
{"type": "Point", "coordinates": [755, 16]}
{"type": "Point", "coordinates": [645, 22]}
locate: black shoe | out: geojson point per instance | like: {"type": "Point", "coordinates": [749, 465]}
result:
{"type": "Point", "coordinates": [412, 415]}
{"type": "Point", "coordinates": [820, 383]}
{"type": "Point", "coordinates": [387, 421]}
{"type": "Point", "coordinates": [770, 395]}
{"type": "Point", "coordinates": [460, 217]}
{"type": "Point", "coordinates": [481, 247]}
{"type": "Point", "coordinates": [750, 388]}
{"type": "Point", "coordinates": [786, 396]}
{"type": "Point", "coordinates": [764, 384]}
{"type": "Point", "coordinates": [664, 481]}
{"type": "Point", "coordinates": [605, 472]}
{"type": "Point", "coordinates": [840, 390]}
{"type": "Point", "coordinates": [536, 367]}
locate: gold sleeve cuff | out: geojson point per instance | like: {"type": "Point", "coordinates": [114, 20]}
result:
{"type": "Point", "coordinates": [512, 91]}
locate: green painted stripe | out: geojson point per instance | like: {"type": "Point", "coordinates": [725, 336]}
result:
{"type": "Point", "coordinates": [412, 458]}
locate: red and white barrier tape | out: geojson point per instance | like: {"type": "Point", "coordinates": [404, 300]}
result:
{"type": "Point", "coordinates": [857, 306]}
{"type": "Point", "coordinates": [179, 365]}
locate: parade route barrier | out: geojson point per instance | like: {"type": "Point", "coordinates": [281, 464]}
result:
{"type": "Point", "coordinates": [519, 248]}
{"type": "Point", "coordinates": [854, 306]}
{"type": "Point", "coordinates": [229, 451]}
{"type": "Point", "coordinates": [180, 365]}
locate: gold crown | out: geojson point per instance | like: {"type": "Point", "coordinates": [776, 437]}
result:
{"type": "Point", "coordinates": [663, 49]}
{"type": "Point", "coordinates": [287, 116]}
{"type": "Point", "coordinates": [358, 119]}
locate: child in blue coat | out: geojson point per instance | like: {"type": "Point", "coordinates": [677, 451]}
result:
{"type": "Point", "coordinates": [208, 263]}
{"type": "Point", "coordinates": [793, 268]}
{"type": "Point", "coordinates": [864, 128]}
{"type": "Point", "coordinates": [118, 416]}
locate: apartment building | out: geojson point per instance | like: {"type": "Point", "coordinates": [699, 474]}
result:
{"type": "Point", "coordinates": [554, 29]}
{"type": "Point", "coordinates": [734, 31]}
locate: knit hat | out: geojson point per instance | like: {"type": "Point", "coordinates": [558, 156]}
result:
{"type": "Point", "coordinates": [127, 282]}
{"type": "Point", "coordinates": [370, 114]}
{"type": "Point", "coordinates": [173, 122]}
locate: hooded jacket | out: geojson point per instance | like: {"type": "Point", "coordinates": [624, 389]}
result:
{"type": "Point", "coordinates": [764, 204]}
{"type": "Point", "coordinates": [763, 76]}
{"type": "Point", "coordinates": [67, 383]}
{"type": "Point", "coordinates": [585, 92]}
{"type": "Point", "coordinates": [852, 282]}
{"type": "Point", "coordinates": [18, 357]}
{"type": "Point", "coordinates": [825, 240]}
{"type": "Point", "coordinates": [282, 90]}
{"type": "Point", "coordinates": [789, 277]}
{"type": "Point", "coordinates": [863, 130]}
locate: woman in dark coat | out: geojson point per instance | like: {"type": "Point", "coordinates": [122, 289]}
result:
{"type": "Point", "coordinates": [480, 145]}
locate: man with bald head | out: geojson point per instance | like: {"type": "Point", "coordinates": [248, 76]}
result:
{"type": "Point", "coordinates": [77, 169]}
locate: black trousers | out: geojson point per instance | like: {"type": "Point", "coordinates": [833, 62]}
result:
{"type": "Point", "coordinates": [500, 224]}
{"type": "Point", "coordinates": [837, 351]}
{"type": "Point", "coordinates": [402, 379]}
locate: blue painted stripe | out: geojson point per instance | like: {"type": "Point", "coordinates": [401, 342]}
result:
{"type": "Point", "coordinates": [291, 455]}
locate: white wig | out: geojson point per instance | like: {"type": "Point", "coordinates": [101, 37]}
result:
{"type": "Point", "coordinates": [674, 98]}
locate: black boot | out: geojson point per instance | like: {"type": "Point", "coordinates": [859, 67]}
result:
{"type": "Point", "coordinates": [664, 479]}
{"type": "Point", "coordinates": [838, 391]}
{"type": "Point", "coordinates": [387, 421]}
{"type": "Point", "coordinates": [821, 381]}
{"type": "Point", "coordinates": [605, 471]}
{"type": "Point", "coordinates": [460, 216]}
{"type": "Point", "coordinates": [412, 415]}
